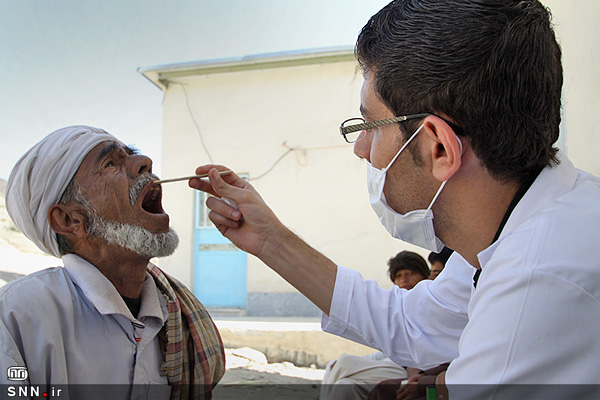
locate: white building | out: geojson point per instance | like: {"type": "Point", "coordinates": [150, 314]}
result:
{"type": "Point", "coordinates": [274, 118]}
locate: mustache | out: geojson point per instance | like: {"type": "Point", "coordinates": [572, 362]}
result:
{"type": "Point", "coordinates": [138, 186]}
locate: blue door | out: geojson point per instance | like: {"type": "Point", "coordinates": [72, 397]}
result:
{"type": "Point", "coordinates": [219, 266]}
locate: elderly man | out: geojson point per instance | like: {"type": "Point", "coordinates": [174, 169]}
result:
{"type": "Point", "coordinates": [108, 316]}
{"type": "Point", "coordinates": [461, 108]}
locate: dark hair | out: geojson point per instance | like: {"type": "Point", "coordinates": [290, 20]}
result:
{"type": "Point", "coordinates": [408, 260]}
{"type": "Point", "coordinates": [492, 66]}
{"type": "Point", "coordinates": [442, 256]}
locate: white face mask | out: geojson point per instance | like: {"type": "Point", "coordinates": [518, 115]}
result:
{"type": "Point", "coordinates": [415, 227]}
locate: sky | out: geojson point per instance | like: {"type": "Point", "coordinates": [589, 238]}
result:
{"type": "Point", "coordinates": [73, 62]}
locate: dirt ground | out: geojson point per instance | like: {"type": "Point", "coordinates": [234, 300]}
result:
{"type": "Point", "coordinates": [249, 376]}
{"type": "Point", "coordinates": [248, 366]}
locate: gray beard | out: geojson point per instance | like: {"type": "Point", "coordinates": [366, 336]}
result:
{"type": "Point", "coordinates": [135, 238]}
{"type": "Point", "coordinates": [132, 237]}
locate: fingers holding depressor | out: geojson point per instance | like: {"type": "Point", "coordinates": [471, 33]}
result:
{"type": "Point", "coordinates": [231, 177]}
{"type": "Point", "coordinates": [204, 185]}
{"type": "Point", "coordinates": [223, 208]}
{"type": "Point", "coordinates": [223, 223]}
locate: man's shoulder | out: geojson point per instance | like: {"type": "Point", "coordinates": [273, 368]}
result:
{"type": "Point", "coordinates": [586, 188]}
{"type": "Point", "coordinates": [560, 209]}
{"type": "Point", "coordinates": [572, 215]}
{"type": "Point", "coordinates": [558, 240]}
{"type": "Point", "coordinates": [35, 286]}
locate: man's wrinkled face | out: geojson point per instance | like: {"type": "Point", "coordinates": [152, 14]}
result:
{"type": "Point", "coordinates": [122, 205]}
{"type": "Point", "coordinates": [116, 182]}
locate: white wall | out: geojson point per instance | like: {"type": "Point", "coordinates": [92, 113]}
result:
{"type": "Point", "coordinates": [576, 25]}
{"type": "Point", "coordinates": [319, 192]}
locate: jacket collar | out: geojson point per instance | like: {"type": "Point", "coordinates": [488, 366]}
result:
{"type": "Point", "coordinates": [104, 296]}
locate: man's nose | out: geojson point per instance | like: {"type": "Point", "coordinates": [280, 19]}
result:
{"type": "Point", "coordinates": [139, 164]}
{"type": "Point", "coordinates": [362, 147]}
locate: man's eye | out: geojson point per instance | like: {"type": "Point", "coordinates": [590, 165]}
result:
{"type": "Point", "coordinates": [109, 164]}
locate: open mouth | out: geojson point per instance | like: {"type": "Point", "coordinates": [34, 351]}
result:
{"type": "Point", "coordinates": [152, 200]}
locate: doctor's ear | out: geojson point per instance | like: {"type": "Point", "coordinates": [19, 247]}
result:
{"type": "Point", "coordinates": [67, 220]}
{"type": "Point", "coordinates": [446, 148]}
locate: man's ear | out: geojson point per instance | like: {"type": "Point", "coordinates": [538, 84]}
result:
{"type": "Point", "coordinates": [68, 221]}
{"type": "Point", "coordinates": [446, 148]}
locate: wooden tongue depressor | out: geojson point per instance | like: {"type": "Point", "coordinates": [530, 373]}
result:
{"type": "Point", "coordinates": [229, 202]}
{"type": "Point", "coordinates": [187, 178]}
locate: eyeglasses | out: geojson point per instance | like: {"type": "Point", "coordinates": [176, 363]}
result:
{"type": "Point", "coordinates": [354, 129]}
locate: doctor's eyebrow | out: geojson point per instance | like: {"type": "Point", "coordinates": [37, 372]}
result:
{"type": "Point", "coordinates": [364, 112]}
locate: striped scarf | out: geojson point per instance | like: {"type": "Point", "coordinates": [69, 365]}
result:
{"type": "Point", "coordinates": [193, 350]}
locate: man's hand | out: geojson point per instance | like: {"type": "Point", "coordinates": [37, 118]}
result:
{"type": "Point", "coordinates": [410, 389]}
{"type": "Point", "coordinates": [416, 386]}
{"type": "Point", "coordinates": [250, 227]}
{"type": "Point", "coordinates": [255, 229]}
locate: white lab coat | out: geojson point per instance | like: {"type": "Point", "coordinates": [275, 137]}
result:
{"type": "Point", "coordinates": [534, 318]}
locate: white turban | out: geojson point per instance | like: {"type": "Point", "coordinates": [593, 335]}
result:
{"type": "Point", "coordinates": [41, 176]}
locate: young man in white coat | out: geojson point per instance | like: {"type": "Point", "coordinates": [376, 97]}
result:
{"type": "Point", "coordinates": [460, 113]}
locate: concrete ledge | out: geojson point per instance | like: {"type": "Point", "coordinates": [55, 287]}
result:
{"type": "Point", "coordinates": [297, 340]}
{"type": "Point", "coordinates": [275, 304]}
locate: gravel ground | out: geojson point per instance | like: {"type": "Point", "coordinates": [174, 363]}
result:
{"type": "Point", "coordinates": [249, 366]}
{"type": "Point", "coordinates": [249, 376]}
